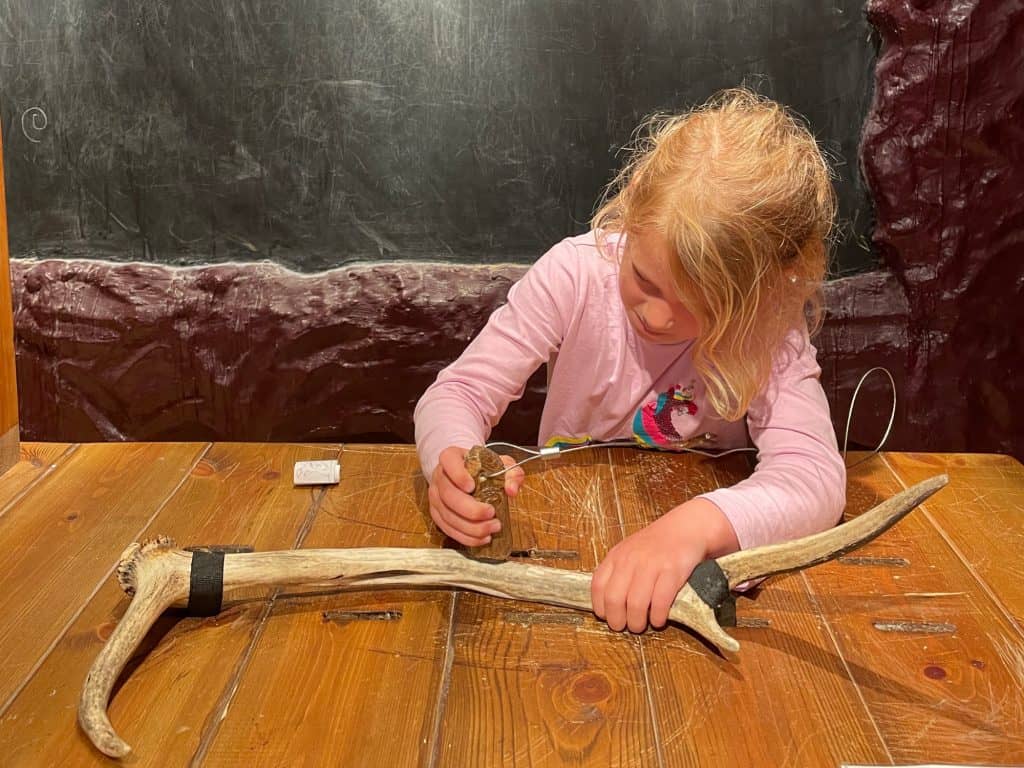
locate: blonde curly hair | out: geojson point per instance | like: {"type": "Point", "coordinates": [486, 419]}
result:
{"type": "Point", "coordinates": [743, 193]}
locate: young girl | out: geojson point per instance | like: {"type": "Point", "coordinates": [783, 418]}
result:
{"type": "Point", "coordinates": [683, 310]}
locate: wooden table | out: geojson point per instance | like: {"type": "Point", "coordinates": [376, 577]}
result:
{"type": "Point", "coordinates": [910, 650]}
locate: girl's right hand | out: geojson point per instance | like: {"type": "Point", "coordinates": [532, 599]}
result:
{"type": "Point", "coordinates": [453, 508]}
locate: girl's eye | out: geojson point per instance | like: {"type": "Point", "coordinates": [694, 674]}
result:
{"type": "Point", "coordinates": [645, 283]}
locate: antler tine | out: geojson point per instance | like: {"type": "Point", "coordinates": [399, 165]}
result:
{"type": "Point", "coordinates": [157, 580]}
{"type": "Point", "coordinates": [821, 547]}
{"type": "Point", "coordinates": [692, 611]}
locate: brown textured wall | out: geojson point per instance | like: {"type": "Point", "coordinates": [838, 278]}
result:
{"type": "Point", "coordinates": [239, 352]}
{"type": "Point", "coordinates": [243, 352]}
{"type": "Point", "coordinates": [942, 153]}
{"type": "Point", "coordinates": [255, 353]}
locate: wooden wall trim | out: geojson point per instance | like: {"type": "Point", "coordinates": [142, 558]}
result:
{"type": "Point", "coordinates": [9, 447]}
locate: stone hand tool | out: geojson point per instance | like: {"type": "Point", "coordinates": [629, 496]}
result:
{"type": "Point", "coordinates": [488, 473]}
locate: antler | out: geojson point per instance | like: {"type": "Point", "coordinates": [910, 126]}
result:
{"type": "Point", "coordinates": [156, 575]}
{"type": "Point", "coordinates": [827, 545]}
{"type": "Point", "coordinates": [159, 576]}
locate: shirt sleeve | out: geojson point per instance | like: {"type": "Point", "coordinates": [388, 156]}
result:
{"type": "Point", "coordinates": [470, 396]}
{"type": "Point", "coordinates": [799, 485]}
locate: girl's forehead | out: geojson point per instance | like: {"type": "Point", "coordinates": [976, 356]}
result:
{"type": "Point", "coordinates": [649, 248]}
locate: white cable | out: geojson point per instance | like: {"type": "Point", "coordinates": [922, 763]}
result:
{"type": "Point", "coordinates": [849, 415]}
{"type": "Point", "coordinates": [513, 445]}
{"type": "Point", "coordinates": [556, 451]}
{"type": "Point", "coordinates": [552, 451]}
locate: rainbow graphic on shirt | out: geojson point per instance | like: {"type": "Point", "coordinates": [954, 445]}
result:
{"type": "Point", "coordinates": [558, 441]}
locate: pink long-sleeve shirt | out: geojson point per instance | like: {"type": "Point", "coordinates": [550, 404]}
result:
{"type": "Point", "coordinates": [606, 383]}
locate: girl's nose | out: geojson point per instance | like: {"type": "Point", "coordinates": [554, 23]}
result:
{"type": "Point", "coordinates": [658, 317]}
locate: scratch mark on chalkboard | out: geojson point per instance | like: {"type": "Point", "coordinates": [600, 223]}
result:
{"type": "Point", "coordinates": [37, 122]}
{"type": "Point", "coordinates": [384, 245]}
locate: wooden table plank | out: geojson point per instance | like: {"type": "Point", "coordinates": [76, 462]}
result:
{"type": "Point", "coordinates": [335, 677]}
{"type": "Point", "coordinates": [567, 507]}
{"type": "Point", "coordinates": [63, 537]}
{"type": "Point", "coordinates": [541, 687]}
{"type": "Point", "coordinates": [939, 665]}
{"type": "Point", "coordinates": [238, 493]}
{"type": "Point", "coordinates": [548, 687]}
{"type": "Point", "coordinates": [981, 512]}
{"type": "Point", "coordinates": [787, 671]}
{"type": "Point", "coordinates": [37, 460]}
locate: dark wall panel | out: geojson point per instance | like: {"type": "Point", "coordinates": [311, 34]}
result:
{"type": "Point", "coordinates": [317, 132]}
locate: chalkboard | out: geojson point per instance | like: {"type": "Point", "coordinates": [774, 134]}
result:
{"type": "Point", "coordinates": [319, 132]}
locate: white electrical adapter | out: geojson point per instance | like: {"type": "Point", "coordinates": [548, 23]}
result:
{"type": "Point", "coordinates": [317, 472]}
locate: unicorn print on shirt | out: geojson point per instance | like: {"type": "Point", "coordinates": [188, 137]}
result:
{"type": "Point", "coordinates": [668, 421]}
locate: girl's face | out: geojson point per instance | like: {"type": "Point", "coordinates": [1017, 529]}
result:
{"type": "Point", "coordinates": [646, 287]}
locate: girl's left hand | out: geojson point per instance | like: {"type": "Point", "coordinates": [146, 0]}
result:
{"type": "Point", "coordinates": [641, 576]}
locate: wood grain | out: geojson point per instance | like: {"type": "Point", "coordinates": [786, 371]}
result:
{"type": "Point", "coordinates": [787, 671]}
{"type": "Point", "coordinates": [63, 537]}
{"type": "Point", "coordinates": [237, 493]}
{"type": "Point", "coordinates": [981, 514]}
{"type": "Point", "coordinates": [545, 687]}
{"type": "Point", "coordinates": [539, 687]}
{"type": "Point", "coordinates": [366, 668]}
{"type": "Point", "coordinates": [10, 444]}
{"type": "Point", "coordinates": [8, 372]}
{"type": "Point", "coordinates": [903, 652]}
{"type": "Point", "coordinates": [36, 460]}
{"type": "Point", "coordinates": [567, 507]}
{"type": "Point", "coordinates": [938, 663]}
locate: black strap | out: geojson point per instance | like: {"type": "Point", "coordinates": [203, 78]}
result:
{"type": "Point", "coordinates": [206, 583]}
{"type": "Point", "coordinates": [709, 582]}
